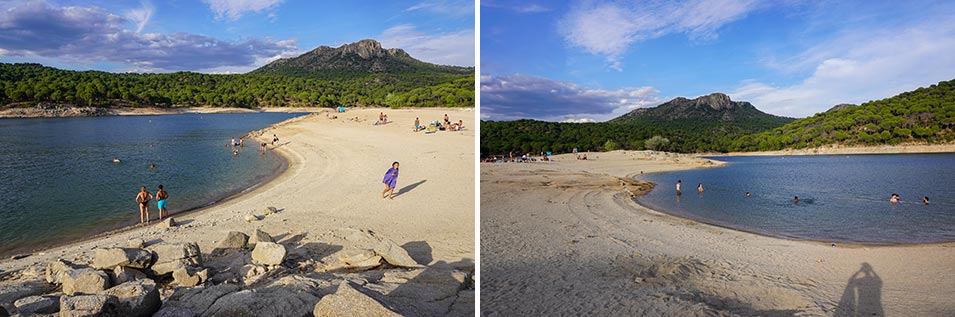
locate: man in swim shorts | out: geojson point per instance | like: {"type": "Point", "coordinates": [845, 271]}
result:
{"type": "Point", "coordinates": [161, 197]}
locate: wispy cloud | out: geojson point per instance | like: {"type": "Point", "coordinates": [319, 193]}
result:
{"type": "Point", "coordinates": [141, 16]}
{"type": "Point", "coordinates": [519, 7]}
{"type": "Point", "coordinates": [610, 28]}
{"type": "Point", "coordinates": [862, 65]}
{"type": "Point", "coordinates": [454, 7]}
{"type": "Point", "coordinates": [235, 9]}
{"type": "Point", "coordinates": [519, 96]}
{"type": "Point", "coordinates": [88, 35]}
{"type": "Point", "coordinates": [452, 48]}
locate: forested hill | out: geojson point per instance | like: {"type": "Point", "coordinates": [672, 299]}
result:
{"type": "Point", "coordinates": [28, 85]}
{"type": "Point", "coordinates": [706, 124]}
{"type": "Point", "coordinates": [925, 115]}
{"type": "Point", "coordinates": [356, 60]}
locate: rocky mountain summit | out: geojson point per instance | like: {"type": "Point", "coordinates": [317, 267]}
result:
{"type": "Point", "coordinates": [362, 57]}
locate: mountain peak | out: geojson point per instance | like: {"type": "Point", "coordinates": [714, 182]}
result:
{"type": "Point", "coordinates": [362, 57]}
{"type": "Point", "coordinates": [717, 107]}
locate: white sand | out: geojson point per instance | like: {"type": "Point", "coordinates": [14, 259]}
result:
{"type": "Point", "coordinates": [563, 238]}
{"type": "Point", "coordinates": [334, 182]}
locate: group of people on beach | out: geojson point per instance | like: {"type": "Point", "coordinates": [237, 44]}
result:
{"type": "Point", "coordinates": [434, 126]}
{"type": "Point", "coordinates": [239, 144]}
{"type": "Point", "coordinates": [523, 158]}
{"type": "Point", "coordinates": [143, 199]}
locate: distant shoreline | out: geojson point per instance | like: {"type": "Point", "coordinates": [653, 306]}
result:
{"type": "Point", "coordinates": [850, 150]}
{"type": "Point", "coordinates": [78, 112]}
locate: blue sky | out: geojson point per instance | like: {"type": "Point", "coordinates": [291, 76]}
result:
{"type": "Point", "coordinates": [594, 60]}
{"type": "Point", "coordinates": [224, 36]}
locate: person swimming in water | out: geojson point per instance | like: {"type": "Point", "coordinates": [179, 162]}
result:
{"type": "Point", "coordinates": [796, 200]}
{"type": "Point", "coordinates": [235, 152]}
{"type": "Point", "coordinates": [747, 194]}
{"type": "Point", "coordinates": [699, 188]}
{"type": "Point", "coordinates": [143, 200]}
{"type": "Point", "coordinates": [152, 165]}
{"type": "Point", "coordinates": [925, 200]}
{"type": "Point", "coordinates": [895, 199]}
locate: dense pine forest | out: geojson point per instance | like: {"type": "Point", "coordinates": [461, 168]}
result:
{"type": "Point", "coordinates": [24, 85]}
{"type": "Point", "coordinates": [925, 115]}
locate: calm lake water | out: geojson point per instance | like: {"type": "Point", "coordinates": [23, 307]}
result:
{"type": "Point", "coordinates": [58, 181]}
{"type": "Point", "coordinates": [842, 198]}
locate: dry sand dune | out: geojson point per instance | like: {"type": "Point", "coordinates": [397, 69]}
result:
{"type": "Point", "coordinates": [565, 238]}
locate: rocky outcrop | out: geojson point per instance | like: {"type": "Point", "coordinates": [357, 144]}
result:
{"type": "Point", "coordinates": [349, 302]}
{"type": "Point", "coordinates": [110, 258]}
{"type": "Point", "coordinates": [259, 236]}
{"type": "Point", "coordinates": [269, 253]}
{"type": "Point", "coordinates": [34, 305]}
{"type": "Point", "coordinates": [171, 256]}
{"type": "Point", "coordinates": [191, 302]}
{"type": "Point", "coordinates": [122, 275]}
{"type": "Point", "coordinates": [394, 254]}
{"type": "Point", "coordinates": [55, 270]}
{"type": "Point", "coordinates": [88, 305]}
{"type": "Point", "coordinates": [189, 276]}
{"type": "Point", "coordinates": [289, 296]}
{"type": "Point", "coordinates": [234, 240]}
{"type": "Point", "coordinates": [84, 281]}
{"type": "Point", "coordinates": [138, 298]}
{"type": "Point", "coordinates": [13, 290]}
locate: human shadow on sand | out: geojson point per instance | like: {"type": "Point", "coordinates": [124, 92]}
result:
{"type": "Point", "coordinates": [863, 294]}
{"type": "Point", "coordinates": [409, 188]}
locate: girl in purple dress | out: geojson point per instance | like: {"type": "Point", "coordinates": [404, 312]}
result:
{"type": "Point", "coordinates": [391, 179]}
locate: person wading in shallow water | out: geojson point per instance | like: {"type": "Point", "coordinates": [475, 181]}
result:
{"type": "Point", "coordinates": [143, 199]}
{"type": "Point", "coordinates": [390, 180]}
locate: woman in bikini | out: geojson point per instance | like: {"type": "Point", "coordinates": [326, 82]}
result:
{"type": "Point", "coordinates": [143, 200]}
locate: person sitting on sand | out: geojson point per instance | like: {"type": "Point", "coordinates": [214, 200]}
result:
{"type": "Point", "coordinates": [390, 180]}
{"type": "Point", "coordinates": [796, 200]}
{"type": "Point", "coordinates": [584, 157]}
{"type": "Point", "coordinates": [925, 200]}
{"type": "Point", "coordinates": [460, 125]}
{"type": "Point", "coordinates": [143, 200]}
{"type": "Point", "coordinates": [381, 117]}
{"type": "Point", "coordinates": [446, 120]}
{"type": "Point", "coordinates": [161, 196]}
{"type": "Point", "coordinates": [275, 139]}
{"type": "Point", "coordinates": [679, 183]}
{"type": "Point", "coordinates": [699, 187]}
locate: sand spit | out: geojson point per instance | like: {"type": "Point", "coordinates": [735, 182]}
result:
{"type": "Point", "coordinates": [565, 238]}
{"type": "Point", "coordinates": [328, 231]}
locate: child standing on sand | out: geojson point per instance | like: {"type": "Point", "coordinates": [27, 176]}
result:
{"type": "Point", "coordinates": [390, 180]}
{"type": "Point", "coordinates": [143, 200]}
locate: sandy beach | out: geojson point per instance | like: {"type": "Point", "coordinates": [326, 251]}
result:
{"type": "Point", "coordinates": [331, 192]}
{"type": "Point", "coordinates": [565, 238]}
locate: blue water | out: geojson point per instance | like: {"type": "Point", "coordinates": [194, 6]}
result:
{"type": "Point", "coordinates": [842, 198]}
{"type": "Point", "coordinates": [58, 181]}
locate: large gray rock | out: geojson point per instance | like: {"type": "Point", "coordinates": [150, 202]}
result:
{"type": "Point", "coordinates": [33, 305]}
{"type": "Point", "coordinates": [351, 259]}
{"type": "Point", "coordinates": [10, 291]}
{"type": "Point", "coordinates": [259, 236]}
{"type": "Point", "coordinates": [171, 256]}
{"type": "Point", "coordinates": [138, 243]}
{"type": "Point", "coordinates": [349, 302]}
{"type": "Point", "coordinates": [84, 281]}
{"type": "Point", "coordinates": [88, 306]}
{"type": "Point", "coordinates": [124, 274]}
{"type": "Point", "coordinates": [234, 240]}
{"type": "Point", "coordinates": [136, 298]}
{"type": "Point", "coordinates": [55, 270]}
{"type": "Point", "coordinates": [110, 258]}
{"type": "Point", "coordinates": [268, 253]}
{"type": "Point", "coordinates": [290, 296]}
{"type": "Point", "coordinates": [3, 312]}
{"type": "Point", "coordinates": [394, 254]}
{"type": "Point", "coordinates": [191, 302]}
{"type": "Point", "coordinates": [189, 276]}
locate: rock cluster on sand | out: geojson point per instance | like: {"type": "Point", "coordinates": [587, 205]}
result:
{"type": "Point", "coordinates": [365, 276]}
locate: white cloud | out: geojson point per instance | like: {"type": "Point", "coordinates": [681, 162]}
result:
{"type": "Point", "coordinates": [141, 16]}
{"type": "Point", "coordinates": [453, 7]}
{"type": "Point", "coordinates": [610, 28]}
{"type": "Point", "coordinates": [519, 96]}
{"type": "Point", "coordinates": [91, 35]}
{"type": "Point", "coordinates": [859, 66]}
{"type": "Point", "coordinates": [234, 9]}
{"type": "Point", "coordinates": [452, 48]}
{"type": "Point", "coordinates": [520, 7]}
